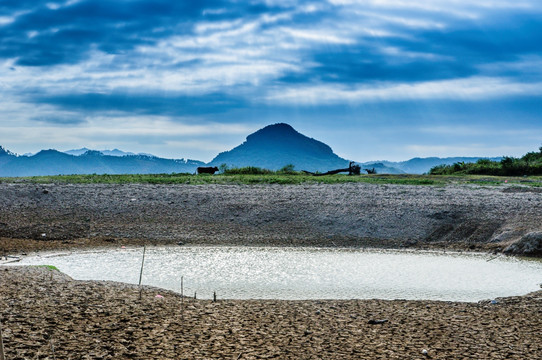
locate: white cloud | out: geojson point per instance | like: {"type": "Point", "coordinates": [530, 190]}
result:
{"type": "Point", "coordinates": [530, 65]}
{"type": "Point", "coordinates": [416, 21]}
{"type": "Point", "coordinates": [396, 52]}
{"type": "Point", "coordinates": [204, 27]}
{"type": "Point", "coordinates": [468, 89]}
{"type": "Point", "coordinates": [458, 7]}
{"type": "Point", "coordinates": [6, 20]}
{"type": "Point", "coordinates": [317, 36]}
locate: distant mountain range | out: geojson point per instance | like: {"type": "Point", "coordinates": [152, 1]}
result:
{"type": "Point", "coordinates": [114, 152]}
{"type": "Point", "coordinates": [423, 165]}
{"type": "Point", "coordinates": [52, 162]}
{"type": "Point", "coordinates": [272, 148]}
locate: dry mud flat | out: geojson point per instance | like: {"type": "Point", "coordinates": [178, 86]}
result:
{"type": "Point", "coordinates": [46, 315]}
{"type": "Point", "coordinates": [500, 218]}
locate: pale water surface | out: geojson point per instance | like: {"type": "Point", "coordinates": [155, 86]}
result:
{"type": "Point", "coordinates": [306, 273]}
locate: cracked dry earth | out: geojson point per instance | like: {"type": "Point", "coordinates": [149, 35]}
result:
{"type": "Point", "coordinates": [46, 315]}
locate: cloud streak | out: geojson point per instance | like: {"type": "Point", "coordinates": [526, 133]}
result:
{"type": "Point", "coordinates": [470, 89]}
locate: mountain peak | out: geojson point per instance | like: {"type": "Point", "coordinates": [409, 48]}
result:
{"type": "Point", "coordinates": [277, 145]}
{"type": "Point", "coordinates": [274, 132]}
{"type": "Point", "coordinates": [4, 152]}
{"type": "Point", "coordinates": [279, 128]}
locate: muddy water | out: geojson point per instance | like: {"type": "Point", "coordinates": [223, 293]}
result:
{"type": "Point", "coordinates": [306, 273]}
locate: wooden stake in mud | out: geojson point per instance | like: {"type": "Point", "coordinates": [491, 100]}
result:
{"type": "Point", "coordinates": [1, 344]}
{"type": "Point", "coordinates": [52, 348]}
{"type": "Point", "coordinates": [182, 298]}
{"type": "Point", "coordinates": [141, 272]}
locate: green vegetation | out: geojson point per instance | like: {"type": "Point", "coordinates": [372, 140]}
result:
{"type": "Point", "coordinates": [248, 170]}
{"type": "Point", "coordinates": [529, 164]}
{"type": "Point", "coordinates": [50, 267]}
{"type": "Point", "coordinates": [283, 176]}
{"type": "Point", "coordinates": [253, 170]}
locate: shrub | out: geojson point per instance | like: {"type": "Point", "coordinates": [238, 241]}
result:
{"type": "Point", "coordinates": [247, 170]}
{"type": "Point", "coordinates": [223, 168]}
{"type": "Point", "coordinates": [288, 170]}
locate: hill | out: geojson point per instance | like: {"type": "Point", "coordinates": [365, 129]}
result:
{"type": "Point", "coordinates": [114, 152]}
{"type": "Point", "coordinates": [53, 162]}
{"type": "Point", "coordinates": [278, 145]}
{"type": "Point", "coordinates": [381, 168]}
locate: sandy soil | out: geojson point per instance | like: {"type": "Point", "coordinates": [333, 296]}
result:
{"type": "Point", "coordinates": [46, 315]}
{"type": "Point", "coordinates": [455, 217]}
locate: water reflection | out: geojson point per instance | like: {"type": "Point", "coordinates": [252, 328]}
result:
{"type": "Point", "coordinates": [307, 273]}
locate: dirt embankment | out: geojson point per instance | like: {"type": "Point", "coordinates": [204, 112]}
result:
{"type": "Point", "coordinates": [46, 315]}
{"type": "Point", "coordinates": [456, 217]}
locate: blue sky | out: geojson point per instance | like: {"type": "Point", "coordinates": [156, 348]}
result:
{"type": "Point", "coordinates": [374, 79]}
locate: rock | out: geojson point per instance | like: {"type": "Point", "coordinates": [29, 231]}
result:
{"type": "Point", "coordinates": [505, 235]}
{"type": "Point", "coordinates": [529, 244]}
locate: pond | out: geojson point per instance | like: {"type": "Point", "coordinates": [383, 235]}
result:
{"type": "Point", "coordinates": [306, 273]}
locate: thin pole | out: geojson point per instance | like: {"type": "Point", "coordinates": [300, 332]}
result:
{"type": "Point", "coordinates": [182, 298]}
{"type": "Point", "coordinates": [142, 263]}
{"type": "Point", "coordinates": [52, 347]}
{"type": "Point", "coordinates": [141, 272]}
{"type": "Point", "coordinates": [1, 344]}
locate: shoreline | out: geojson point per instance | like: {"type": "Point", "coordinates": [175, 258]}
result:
{"type": "Point", "coordinates": [24, 247]}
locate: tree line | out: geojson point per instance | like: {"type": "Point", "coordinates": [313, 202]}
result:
{"type": "Point", "coordinates": [528, 164]}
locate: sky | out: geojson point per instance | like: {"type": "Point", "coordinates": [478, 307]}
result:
{"type": "Point", "coordinates": [374, 79]}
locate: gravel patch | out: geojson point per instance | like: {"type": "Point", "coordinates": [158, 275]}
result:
{"type": "Point", "coordinates": [488, 218]}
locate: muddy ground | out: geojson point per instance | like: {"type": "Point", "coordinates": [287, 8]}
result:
{"type": "Point", "coordinates": [46, 315]}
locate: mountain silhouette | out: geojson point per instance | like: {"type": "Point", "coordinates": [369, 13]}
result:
{"type": "Point", "coordinates": [114, 152]}
{"type": "Point", "coordinates": [272, 147]}
{"type": "Point", "coordinates": [53, 162]}
{"type": "Point", "coordinates": [278, 145]}
{"type": "Point", "coordinates": [423, 165]}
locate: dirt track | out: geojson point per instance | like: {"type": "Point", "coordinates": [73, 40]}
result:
{"type": "Point", "coordinates": [456, 217]}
